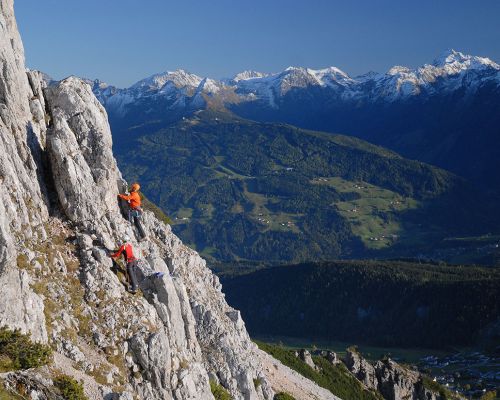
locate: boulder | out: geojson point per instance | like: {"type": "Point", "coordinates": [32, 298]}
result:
{"type": "Point", "coordinates": [361, 369]}
{"type": "Point", "coordinates": [332, 357]}
{"type": "Point", "coordinates": [305, 356]}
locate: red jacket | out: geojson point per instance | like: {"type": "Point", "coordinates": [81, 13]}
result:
{"type": "Point", "coordinates": [129, 254]}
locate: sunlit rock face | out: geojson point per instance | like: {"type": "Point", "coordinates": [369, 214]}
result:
{"type": "Point", "coordinates": [59, 216]}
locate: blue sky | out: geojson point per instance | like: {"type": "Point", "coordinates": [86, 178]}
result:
{"type": "Point", "coordinates": [122, 41]}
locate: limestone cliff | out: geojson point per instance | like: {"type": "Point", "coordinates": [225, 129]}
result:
{"type": "Point", "coordinates": [58, 216]}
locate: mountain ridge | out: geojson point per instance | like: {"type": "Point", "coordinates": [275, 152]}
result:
{"type": "Point", "coordinates": [450, 62]}
{"type": "Point", "coordinates": [397, 83]}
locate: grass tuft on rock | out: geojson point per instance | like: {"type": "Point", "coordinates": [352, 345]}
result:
{"type": "Point", "coordinates": [283, 396]}
{"type": "Point", "coordinates": [219, 392]}
{"type": "Point", "coordinates": [70, 388]}
{"type": "Point", "coordinates": [7, 394]}
{"type": "Point", "coordinates": [17, 351]}
{"type": "Point", "coordinates": [257, 382]}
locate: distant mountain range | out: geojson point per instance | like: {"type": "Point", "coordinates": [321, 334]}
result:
{"type": "Point", "coordinates": [445, 113]}
{"type": "Point", "coordinates": [448, 73]}
{"type": "Point", "coordinates": [220, 157]}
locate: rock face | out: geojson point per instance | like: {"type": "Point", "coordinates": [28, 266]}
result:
{"type": "Point", "coordinates": [79, 145]}
{"type": "Point", "coordinates": [361, 369]}
{"type": "Point", "coordinates": [23, 204]}
{"type": "Point", "coordinates": [332, 357]}
{"type": "Point", "coordinates": [59, 216]}
{"type": "Point", "coordinates": [396, 382]}
{"type": "Point", "coordinates": [305, 356]}
{"type": "Point", "coordinates": [390, 379]}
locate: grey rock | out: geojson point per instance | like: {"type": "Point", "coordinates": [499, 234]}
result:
{"type": "Point", "coordinates": [23, 206]}
{"type": "Point", "coordinates": [391, 380]}
{"type": "Point", "coordinates": [72, 351]}
{"type": "Point", "coordinates": [37, 111]}
{"type": "Point", "coordinates": [396, 382]}
{"type": "Point", "coordinates": [21, 308]}
{"type": "Point", "coordinates": [120, 396]}
{"type": "Point", "coordinates": [332, 357]}
{"type": "Point", "coordinates": [79, 146]}
{"type": "Point", "coordinates": [305, 356]}
{"type": "Point", "coordinates": [361, 369]}
{"type": "Point", "coordinates": [35, 384]}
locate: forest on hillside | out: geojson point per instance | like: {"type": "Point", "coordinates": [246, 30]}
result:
{"type": "Point", "coordinates": [387, 303]}
{"type": "Point", "coordinates": [241, 190]}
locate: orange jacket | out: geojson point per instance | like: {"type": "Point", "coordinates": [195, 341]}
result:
{"type": "Point", "coordinates": [133, 199]}
{"type": "Point", "coordinates": [129, 254]}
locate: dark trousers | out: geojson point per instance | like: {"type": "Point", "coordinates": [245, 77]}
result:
{"type": "Point", "coordinates": [131, 271]}
{"type": "Point", "coordinates": [134, 216]}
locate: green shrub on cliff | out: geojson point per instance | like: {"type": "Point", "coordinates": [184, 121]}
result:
{"type": "Point", "coordinates": [17, 351]}
{"type": "Point", "coordinates": [283, 396]}
{"type": "Point", "coordinates": [219, 392]}
{"type": "Point", "coordinates": [70, 388]}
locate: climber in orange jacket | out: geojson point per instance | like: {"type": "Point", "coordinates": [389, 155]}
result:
{"type": "Point", "coordinates": [130, 260]}
{"type": "Point", "coordinates": [135, 211]}
{"type": "Point", "coordinates": [133, 199]}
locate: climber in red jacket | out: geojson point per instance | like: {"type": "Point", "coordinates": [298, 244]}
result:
{"type": "Point", "coordinates": [134, 211]}
{"type": "Point", "coordinates": [128, 254]}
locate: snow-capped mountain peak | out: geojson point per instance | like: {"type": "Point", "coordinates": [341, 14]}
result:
{"type": "Point", "coordinates": [301, 77]}
{"type": "Point", "coordinates": [398, 70]}
{"type": "Point", "coordinates": [453, 61]}
{"type": "Point", "coordinates": [179, 78]}
{"type": "Point", "coordinates": [249, 74]}
{"type": "Point", "coordinates": [210, 86]}
{"type": "Point", "coordinates": [451, 71]}
{"type": "Point", "coordinates": [402, 81]}
{"type": "Point", "coordinates": [333, 71]}
{"type": "Point", "coordinates": [331, 75]}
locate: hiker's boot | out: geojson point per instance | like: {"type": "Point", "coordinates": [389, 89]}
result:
{"type": "Point", "coordinates": [132, 290]}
